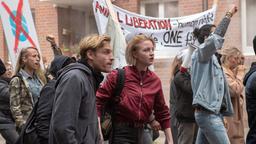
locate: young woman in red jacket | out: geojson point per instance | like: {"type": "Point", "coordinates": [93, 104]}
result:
{"type": "Point", "coordinates": [142, 93]}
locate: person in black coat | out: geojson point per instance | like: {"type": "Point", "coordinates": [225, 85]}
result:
{"type": "Point", "coordinates": [7, 124]}
{"type": "Point", "coordinates": [45, 103]}
{"type": "Point", "coordinates": [250, 93]}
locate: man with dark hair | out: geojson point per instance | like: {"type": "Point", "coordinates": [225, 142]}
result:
{"type": "Point", "coordinates": [250, 93]}
{"type": "Point", "coordinates": [74, 118]}
{"type": "Point", "coordinates": [211, 98]}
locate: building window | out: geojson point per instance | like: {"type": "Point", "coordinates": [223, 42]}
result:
{"type": "Point", "coordinates": [151, 9]}
{"type": "Point", "coordinates": [33, 12]}
{"type": "Point", "coordinates": [248, 25]}
{"type": "Point", "coordinates": [171, 9]}
{"type": "Point", "coordinates": [250, 20]}
{"type": "Point", "coordinates": [160, 8]}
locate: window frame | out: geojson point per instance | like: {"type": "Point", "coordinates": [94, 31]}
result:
{"type": "Point", "coordinates": [247, 50]}
{"type": "Point", "coordinates": [160, 6]}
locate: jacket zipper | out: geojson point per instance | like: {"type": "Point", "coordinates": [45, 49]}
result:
{"type": "Point", "coordinates": [141, 95]}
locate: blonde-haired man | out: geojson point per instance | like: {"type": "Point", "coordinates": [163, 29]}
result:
{"type": "Point", "coordinates": [74, 118]}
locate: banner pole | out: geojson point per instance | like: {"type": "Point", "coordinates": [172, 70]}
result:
{"type": "Point", "coordinates": [111, 11]}
{"type": "Point", "coordinates": [215, 2]}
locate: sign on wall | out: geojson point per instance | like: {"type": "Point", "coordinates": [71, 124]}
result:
{"type": "Point", "coordinates": [170, 34]}
{"type": "Point", "coordinates": [18, 26]}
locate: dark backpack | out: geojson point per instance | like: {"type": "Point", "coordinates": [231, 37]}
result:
{"type": "Point", "coordinates": [109, 110]}
{"type": "Point", "coordinates": [30, 131]}
{"type": "Point", "coordinates": [108, 115]}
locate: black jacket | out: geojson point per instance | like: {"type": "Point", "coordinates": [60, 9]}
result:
{"type": "Point", "coordinates": [250, 93]}
{"type": "Point", "coordinates": [74, 119]}
{"type": "Point", "coordinates": [44, 111]}
{"type": "Point", "coordinates": [184, 110]}
{"type": "Point", "coordinates": [6, 120]}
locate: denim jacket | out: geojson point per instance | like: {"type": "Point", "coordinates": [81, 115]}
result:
{"type": "Point", "coordinates": [209, 85]}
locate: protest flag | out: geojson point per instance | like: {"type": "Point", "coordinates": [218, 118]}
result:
{"type": "Point", "coordinates": [118, 41]}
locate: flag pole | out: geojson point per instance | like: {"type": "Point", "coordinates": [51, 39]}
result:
{"type": "Point", "coordinates": [215, 2]}
{"type": "Point", "coordinates": [111, 11]}
{"type": "Point", "coordinates": [118, 41]}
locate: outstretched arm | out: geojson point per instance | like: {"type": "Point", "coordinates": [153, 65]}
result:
{"type": "Point", "coordinates": [215, 41]}
{"type": "Point", "coordinates": [223, 26]}
{"type": "Point", "coordinates": [55, 48]}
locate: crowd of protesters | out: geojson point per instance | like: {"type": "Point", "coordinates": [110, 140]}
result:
{"type": "Point", "coordinates": [65, 102]}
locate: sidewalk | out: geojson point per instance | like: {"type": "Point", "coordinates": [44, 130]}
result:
{"type": "Point", "coordinates": [160, 140]}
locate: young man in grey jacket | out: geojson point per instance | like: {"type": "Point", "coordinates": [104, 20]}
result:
{"type": "Point", "coordinates": [74, 119]}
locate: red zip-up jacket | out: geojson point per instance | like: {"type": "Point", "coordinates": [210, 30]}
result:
{"type": "Point", "coordinates": [142, 93]}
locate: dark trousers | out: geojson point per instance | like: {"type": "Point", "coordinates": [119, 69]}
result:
{"type": "Point", "coordinates": [127, 135]}
{"type": "Point", "coordinates": [10, 135]}
{"type": "Point", "coordinates": [251, 136]}
{"type": "Point", "coordinates": [174, 125]}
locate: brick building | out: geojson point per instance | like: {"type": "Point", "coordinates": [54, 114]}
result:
{"type": "Point", "coordinates": [70, 20]}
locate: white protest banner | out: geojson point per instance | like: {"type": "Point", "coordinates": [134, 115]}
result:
{"type": "Point", "coordinates": [18, 26]}
{"type": "Point", "coordinates": [170, 34]}
{"type": "Point", "coordinates": [117, 38]}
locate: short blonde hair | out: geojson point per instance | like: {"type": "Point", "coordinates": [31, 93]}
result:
{"type": "Point", "coordinates": [227, 52]}
{"type": "Point", "coordinates": [92, 42]}
{"type": "Point", "coordinates": [133, 46]}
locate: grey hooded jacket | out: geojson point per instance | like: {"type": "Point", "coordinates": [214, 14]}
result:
{"type": "Point", "coordinates": [74, 118]}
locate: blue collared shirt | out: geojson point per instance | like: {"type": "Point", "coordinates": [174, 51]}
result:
{"type": "Point", "coordinates": [34, 84]}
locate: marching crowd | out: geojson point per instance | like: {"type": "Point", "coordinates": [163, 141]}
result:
{"type": "Point", "coordinates": [70, 102]}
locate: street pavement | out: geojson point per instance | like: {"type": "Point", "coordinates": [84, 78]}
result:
{"type": "Point", "coordinates": [160, 140]}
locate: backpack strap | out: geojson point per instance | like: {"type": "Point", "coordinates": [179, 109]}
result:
{"type": "Point", "coordinates": [118, 89]}
{"type": "Point", "coordinates": [119, 84]}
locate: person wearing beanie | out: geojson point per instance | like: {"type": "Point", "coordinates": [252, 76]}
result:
{"type": "Point", "coordinates": [45, 102]}
{"type": "Point", "coordinates": [250, 93]}
{"type": "Point", "coordinates": [7, 124]}
{"type": "Point", "coordinates": [9, 70]}
{"type": "Point", "coordinates": [211, 98]}
{"type": "Point", "coordinates": [2, 67]}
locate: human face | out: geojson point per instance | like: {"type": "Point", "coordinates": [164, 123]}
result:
{"type": "Point", "coordinates": [233, 61]}
{"type": "Point", "coordinates": [32, 59]}
{"type": "Point", "coordinates": [102, 58]}
{"type": "Point", "coordinates": [144, 54]}
{"type": "Point", "coordinates": [8, 72]}
{"type": "Point", "coordinates": [241, 60]}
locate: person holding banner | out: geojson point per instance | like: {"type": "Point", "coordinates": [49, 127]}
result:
{"type": "Point", "coordinates": [211, 98]}
{"type": "Point", "coordinates": [26, 85]}
{"type": "Point", "coordinates": [141, 94]}
{"type": "Point", "coordinates": [175, 66]}
{"type": "Point", "coordinates": [182, 95]}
